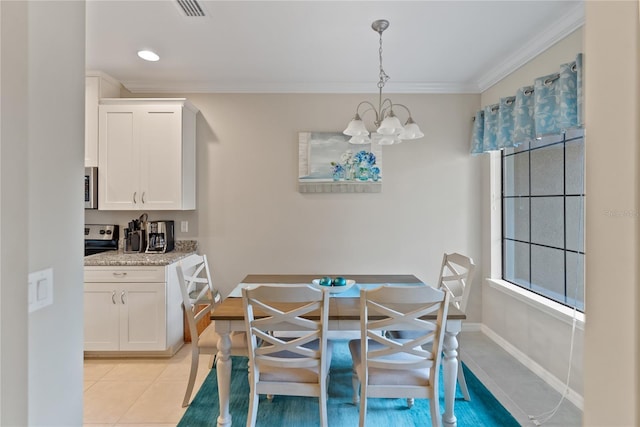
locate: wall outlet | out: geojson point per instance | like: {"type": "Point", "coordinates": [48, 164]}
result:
{"type": "Point", "coordinates": [184, 226]}
{"type": "Point", "coordinates": [40, 289]}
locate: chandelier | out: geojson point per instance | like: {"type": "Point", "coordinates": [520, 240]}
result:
{"type": "Point", "coordinates": [389, 128]}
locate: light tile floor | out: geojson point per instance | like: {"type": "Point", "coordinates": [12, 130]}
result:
{"type": "Point", "coordinates": [138, 391]}
{"type": "Point", "coordinates": [518, 389]}
{"type": "Point", "coordinates": [149, 392]}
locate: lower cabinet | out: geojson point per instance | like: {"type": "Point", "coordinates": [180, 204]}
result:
{"type": "Point", "coordinates": [132, 309]}
{"type": "Point", "coordinates": [124, 316]}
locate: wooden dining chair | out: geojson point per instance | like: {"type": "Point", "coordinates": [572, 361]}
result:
{"type": "Point", "coordinates": [456, 274]}
{"type": "Point", "coordinates": [385, 366]}
{"type": "Point", "coordinates": [284, 365]}
{"type": "Point", "coordinates": [199, 299]}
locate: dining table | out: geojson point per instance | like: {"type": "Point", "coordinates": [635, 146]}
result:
{"type": "Point", "coordinates": [344, 315]}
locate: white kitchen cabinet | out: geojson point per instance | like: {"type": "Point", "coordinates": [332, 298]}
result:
{"type": "Point", "coordinates": [132, 309]}
{"type": "Point", "coordinates": [147, 158]}
{"type": "Point", "coordinates": [97, 85]}
{"type": "Point", "coordinates": [124, 317]}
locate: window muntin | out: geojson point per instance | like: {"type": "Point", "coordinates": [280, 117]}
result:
{"type": "Point", "coordinates": [543, 217]}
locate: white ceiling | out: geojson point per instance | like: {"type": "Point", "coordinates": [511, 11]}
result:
{"type": "Point", "coordinates": [322, 46]}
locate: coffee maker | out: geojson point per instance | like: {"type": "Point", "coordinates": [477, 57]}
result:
{"type": "Point", "coordinates": [160, 236]}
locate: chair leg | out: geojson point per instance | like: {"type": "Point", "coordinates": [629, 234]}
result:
{"type": "Point", "coordinates": [253, 408]}
{"type": "Point", "coordinates": [463, 383]}
{"type": "Point", "coordinates": [434, 405]}
{"type": "Point", "coordinates": [323, 404]}
{"type": "Point", "coordinates": [363, 406]}
{"type": "Point", "coordinates": [410, 402]}
{"type": "Point", "coordinates": [195, 356]}
{"type": "Point", "coordinates": [355, 382]}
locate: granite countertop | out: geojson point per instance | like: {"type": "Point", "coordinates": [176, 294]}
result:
{"type": "Point", "coordinates": [118, 258]}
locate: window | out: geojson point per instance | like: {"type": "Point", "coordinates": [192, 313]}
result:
{"type": "Point", "coordinates": [543, 217]}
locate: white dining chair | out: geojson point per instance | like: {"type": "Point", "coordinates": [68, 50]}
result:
{"type": "Point", "coordinates": [291, 366]}
{"type": "Point", "coordinates": [199, 299]}
{"type": "Point", "coordinates": [456, 274]}
{"type": "Point", "coordinates": [385, 366]}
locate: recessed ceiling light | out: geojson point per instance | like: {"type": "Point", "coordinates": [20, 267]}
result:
{"type": "Point", "coordinates": [148, 55]}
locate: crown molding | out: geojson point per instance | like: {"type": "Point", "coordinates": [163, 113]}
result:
{"type": "Point", "coordinates": [553, 33]}
{"type": "Point", "coordinates": [145, 86]}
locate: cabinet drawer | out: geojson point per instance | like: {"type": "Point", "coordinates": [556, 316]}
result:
{"type": "Point", "coordinates": [124, 274]}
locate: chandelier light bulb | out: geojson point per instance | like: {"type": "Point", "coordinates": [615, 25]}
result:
{"type": "Point", "coordinates": [389, 140]}
{"type": "Point", "coordinates": [356, 127]}
{"type": "Point", "coordinates": [390, 125]}
{"type": "Point", "coordinates": [364, 139]}
{"type": "Point", "coordinates": [411, 130]}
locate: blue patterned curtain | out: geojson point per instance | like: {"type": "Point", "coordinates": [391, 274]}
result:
{"type": "Point", "coordinates": [551, 106]}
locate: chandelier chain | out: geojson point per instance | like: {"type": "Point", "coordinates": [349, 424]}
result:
{"type": "Point", "coordinates": [383, 76]}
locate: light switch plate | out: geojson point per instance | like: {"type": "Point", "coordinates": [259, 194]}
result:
{"type": "Point", "coordinates": [40, 289]}
{"type": "Point", "coordinates": [184, 226]}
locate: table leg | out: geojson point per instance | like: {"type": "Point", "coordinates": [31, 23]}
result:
{"type": "Point", "coordinates": [223, 372]}
{"type": "Point", "coordinates": [450, 371]}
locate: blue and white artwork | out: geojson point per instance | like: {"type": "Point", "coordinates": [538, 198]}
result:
{"type": "Point", "coordinates": [329, 157]}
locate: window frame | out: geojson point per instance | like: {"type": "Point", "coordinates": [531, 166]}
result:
{"type": "Point", "coordinates": [529, 284]}
{"type": "Point", "coordinates": [493, 207]}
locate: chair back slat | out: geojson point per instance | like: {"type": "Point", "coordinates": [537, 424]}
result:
{"type": "Point", "coordinates": [196, 288]}
{"type": "Point", "coordinates": [403, 312]}
{"type": "Point", "coordinates": [273, 309]}
{"type": "Point", "coordinates": [456, 275]}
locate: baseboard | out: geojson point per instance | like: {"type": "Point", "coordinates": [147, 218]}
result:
{"type": "Point", "coordinates": [536, 368]}
{"type": "Point", "coordinates": [133, 354]}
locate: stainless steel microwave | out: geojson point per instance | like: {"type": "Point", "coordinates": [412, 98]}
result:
{"type": "Point", "coordinates": [91, 188]}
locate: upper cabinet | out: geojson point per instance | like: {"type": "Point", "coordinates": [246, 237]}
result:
{"type": "Point", "coordinates": [97, 85]}
{"type": "Point", "coordinates": [147, 154]}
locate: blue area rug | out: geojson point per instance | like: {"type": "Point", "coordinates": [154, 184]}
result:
{"type": "Point", "coordinates": [287, 411]}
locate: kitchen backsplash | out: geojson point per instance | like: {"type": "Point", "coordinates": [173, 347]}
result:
{"type": "Point", "coordinates": [122, 218]}
{"type": "Point", "coordinates": [180, 245]}
{"type": "Point", "coordinates": [186, 246]}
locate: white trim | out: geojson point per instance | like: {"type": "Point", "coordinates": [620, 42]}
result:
{"type": "Point", "coordinates": [144, 86]}
{"type": "Point", "coordinates": [548, 36]}
{"type": "Point", "coordinates": [545, 305]}
{"type": "Point", "coordinates": [94, 73]}
{"type": "Point", "coordinates": [558, 385]}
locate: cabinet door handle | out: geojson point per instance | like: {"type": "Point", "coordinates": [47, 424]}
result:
{"type": "Point", "coordinates": [143, 193]}
{"type": "Point", "coordinates": [113, 297]}
{"type": "Point", "coordinates": [122, 297]}
{"type": "Point", "coordinates": [134, 196]}
{"type": "Point", "coordinates": [119, 273]}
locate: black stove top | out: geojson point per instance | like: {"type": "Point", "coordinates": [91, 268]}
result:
{"type": "Point", "coordinates": [100, 238]}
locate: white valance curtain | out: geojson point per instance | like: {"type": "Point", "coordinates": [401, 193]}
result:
{"type": "Point", "coordinates": [551, 106]}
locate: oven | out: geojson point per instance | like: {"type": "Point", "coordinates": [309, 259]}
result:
{"type": "Point", "coordinates": [100, 238]}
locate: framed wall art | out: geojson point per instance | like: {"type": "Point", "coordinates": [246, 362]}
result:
{"type": "Point", "coordinates": [328, 163]}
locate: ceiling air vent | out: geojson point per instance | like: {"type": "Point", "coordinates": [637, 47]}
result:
{"type": "Point", "coordinates": [191, 7]}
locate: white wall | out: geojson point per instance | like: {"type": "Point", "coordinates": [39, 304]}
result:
{"type": "Point", "coordinates": [13, 205]}
{"type": "Point", "coordinates": [55, 212]}
{"type": "Point", "coordinates": [250, 217]}
{"type": "Point", "coordinates": [612, 277]}
{"type": "Point", "coordinates": [42, 166]}
{"type": "Point", "coordinates": [524, 328]}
